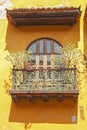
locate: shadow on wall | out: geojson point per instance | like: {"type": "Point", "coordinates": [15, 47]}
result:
{"type": "Point", "coordinates": [44, 112]}
{"type": "Point", "coordinates": [18, 38]}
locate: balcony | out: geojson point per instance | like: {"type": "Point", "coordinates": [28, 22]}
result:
{"type": "Point", "coordinates": [59, 83]}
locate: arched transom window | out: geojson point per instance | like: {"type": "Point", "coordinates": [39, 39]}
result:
{"type": "Point", "coordinates": [43, 51]}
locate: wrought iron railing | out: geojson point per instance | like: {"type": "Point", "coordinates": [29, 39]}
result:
{"type": "Point", "coordinates": [44, 79]}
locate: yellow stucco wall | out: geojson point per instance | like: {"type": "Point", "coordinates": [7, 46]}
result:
{"type": "Point", "coordinates": [64, 35]}
{"type": "Point", "coordinates": [39, 115]}
{"type": "Point", "coordinates": [18, 38]}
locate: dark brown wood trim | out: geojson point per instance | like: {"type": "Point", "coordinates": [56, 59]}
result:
{"type": "Point", "coordinates": [37, 47]}
{"type": "Point", "coordinates": [59, 95]}
{"type": "Point", "coordinates": [43, 16]}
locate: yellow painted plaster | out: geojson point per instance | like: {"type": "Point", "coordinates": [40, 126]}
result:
{"type": "Point", "coordinates": [11, 115]}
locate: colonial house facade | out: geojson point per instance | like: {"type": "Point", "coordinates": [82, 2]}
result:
{"type": "Point", "coordinates": [43, 94]}
{"type": "Point", "coordinates": [42, 31]}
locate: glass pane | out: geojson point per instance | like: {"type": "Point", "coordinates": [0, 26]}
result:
{"type": "Point", "coordinates": [48, 59]}
{"type": "Point", "coordinates": [48, 46]}
{"type": "Point", "coordinates": [56, 46]}
{"type": "Point", "coordinates": [33, 48]}
{"type": "Point", "coordinates": [34, 59]}
{"type": "Point", "coordinates": [41, 46]}
{"type": "Point", "coordinates": [41, 75]}
{"type": "Point", "coordinates": [40, 59]}
{"type": "Point", "coordinates": [48, 74]}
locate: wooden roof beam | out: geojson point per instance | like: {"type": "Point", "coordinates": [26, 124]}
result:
{"type": "Point", "coordinates": [44, 16]}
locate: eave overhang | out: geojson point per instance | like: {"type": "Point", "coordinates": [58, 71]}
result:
{"type": "Point", "coordinates": [43, 16]}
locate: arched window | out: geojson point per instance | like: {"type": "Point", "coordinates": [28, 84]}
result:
{"type": "Point", "coordinates": [43, 52]}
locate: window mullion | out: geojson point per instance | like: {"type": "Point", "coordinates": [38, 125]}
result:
{"type": "Point", "coordinates": [37, 54]}
{"type": "Point", "coordinates": [45, 57]}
